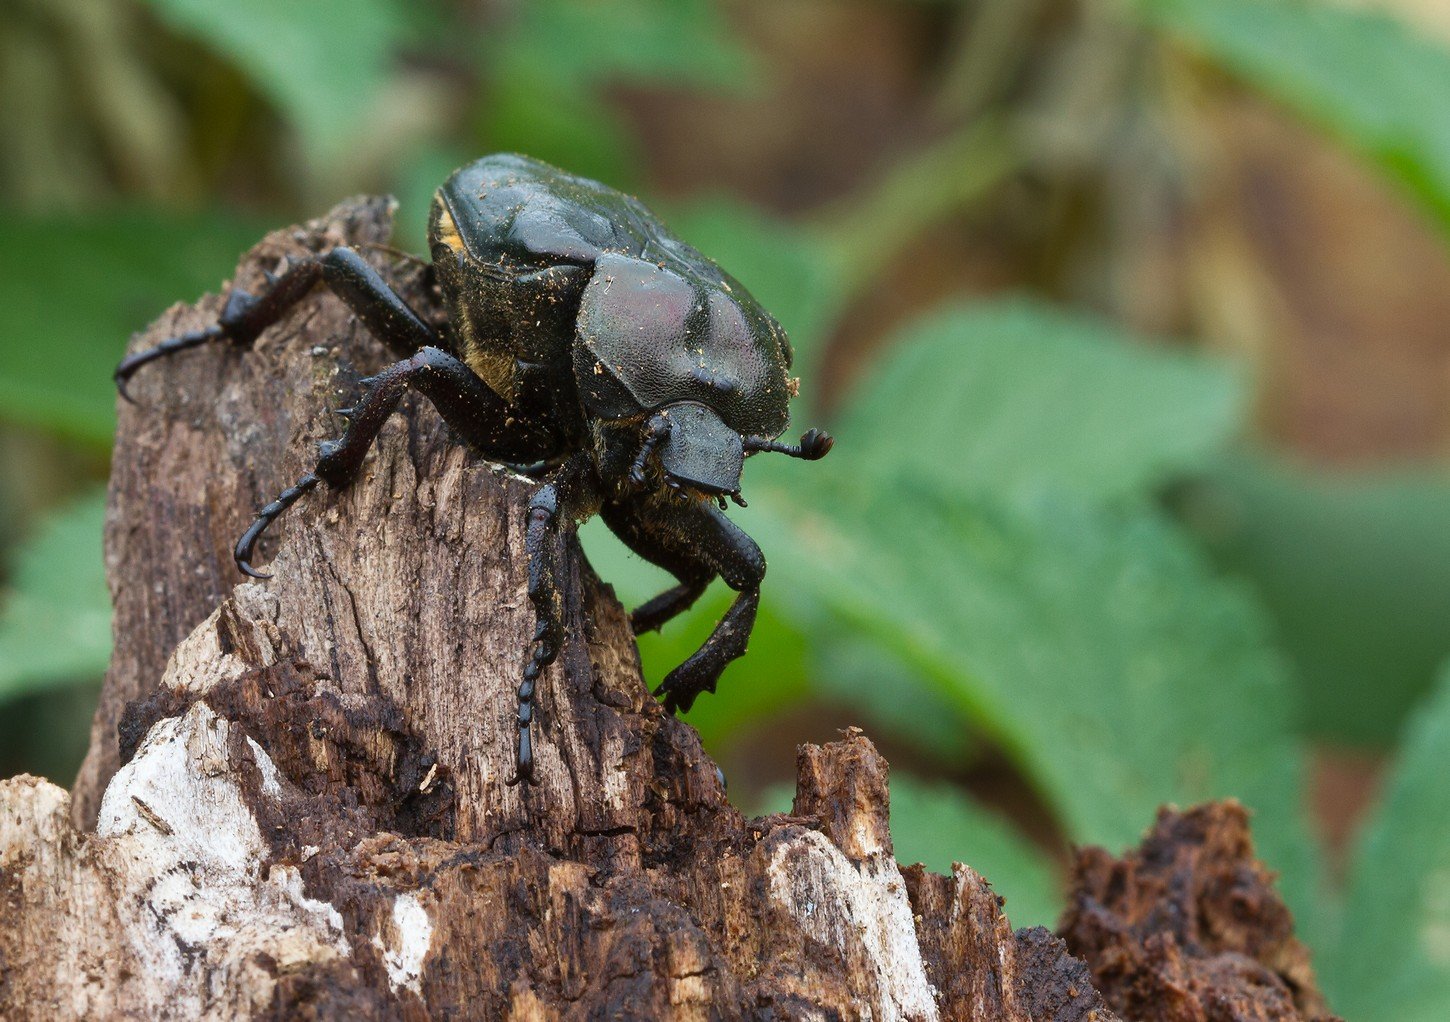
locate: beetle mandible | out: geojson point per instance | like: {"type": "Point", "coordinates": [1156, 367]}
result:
{"type": "Point", "coordinates": [585, 344]}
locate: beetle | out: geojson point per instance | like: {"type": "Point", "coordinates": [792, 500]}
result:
{"type": "Point", "coordinates": [587, 345]}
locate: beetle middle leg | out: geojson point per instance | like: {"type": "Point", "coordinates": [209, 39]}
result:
{"type": "Point", "coordinates": [694, 541]}
{"type": "Point", "coordinates": [346, 273]}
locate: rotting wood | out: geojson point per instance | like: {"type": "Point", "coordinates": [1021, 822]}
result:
{"type": "Point", "coordinates": [295, 800]}
{"type": "Point", "coordinates": [1189, 926]}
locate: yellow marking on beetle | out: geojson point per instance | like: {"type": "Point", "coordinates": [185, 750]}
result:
{"type": "Point", "coordinates": [448, 230]}
{"type": "Point", "coordinates": [494, 367]}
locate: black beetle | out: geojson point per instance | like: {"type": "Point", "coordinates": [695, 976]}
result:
{"type": "Point", "coordinates": [585, 343]}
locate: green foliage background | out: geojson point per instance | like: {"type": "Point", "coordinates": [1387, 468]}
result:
{"type": "Point", "coordinates": [986, 570]}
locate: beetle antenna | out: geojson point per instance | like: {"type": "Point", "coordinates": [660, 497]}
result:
{"type": "Point", "coordinates": [814, 446]}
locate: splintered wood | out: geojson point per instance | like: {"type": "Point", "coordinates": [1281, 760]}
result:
{"type": "Point", "coordinates": [295, 803]}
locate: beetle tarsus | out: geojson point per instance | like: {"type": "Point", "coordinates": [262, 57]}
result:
{"type": "Point", "coordinates": [133, 362]}
{"type": "Point", "coordinates": [524, 762]}
{"type": "Point", "coordinates": [242, 555]}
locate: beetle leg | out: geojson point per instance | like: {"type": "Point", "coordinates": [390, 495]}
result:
{"type": "Point", "coordinates": [346, 273]}
{"type": "Point", "coordinates": [649, 531]}
{"type": "Point", "coordinates": [553, 510]}
{"type": "Point", "coordinates": [652, 615]}
{"type": "Point", "coordinates": [482, 418]}
{"type": "Point", "coordinates": [694, 541]}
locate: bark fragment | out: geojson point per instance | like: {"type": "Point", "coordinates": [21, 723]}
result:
{"type": "Point", "coordinates": [1189, 927]}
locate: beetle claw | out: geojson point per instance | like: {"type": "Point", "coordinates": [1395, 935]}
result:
{"type": "Point", "coordinates": [121, 380]}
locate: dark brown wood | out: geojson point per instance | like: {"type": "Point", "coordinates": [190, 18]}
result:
{"type": "Point", "coordinates": [295, 802]}
{"type": "Point", "coordinates": [1189, 926]}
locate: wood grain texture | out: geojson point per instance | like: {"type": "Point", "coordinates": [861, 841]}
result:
{"type": "Point", "coordinates": [295, 803]}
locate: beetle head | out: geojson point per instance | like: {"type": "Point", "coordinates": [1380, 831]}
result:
{"type": "Point", "coordinates": [696, 449]}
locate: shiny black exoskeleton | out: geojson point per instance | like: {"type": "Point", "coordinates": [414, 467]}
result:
{"type": "Point", "coordinates": [585, 342]}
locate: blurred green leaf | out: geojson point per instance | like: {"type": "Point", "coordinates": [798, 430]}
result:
{"type": "Point", "coordinates": [78, 286]}
{"type": "Point", "coordinates": [1092, 645]}
{"type": "Point", "coordinates": [550, 66]}
{"type": "Point", "coordinates": [851, 668]}
{"type": "Point", "coordinates": [1392, 960]}
{"type": "Point", "coordinates": [323, 62]}
{"type": "Point", "coordinates": [589, 42]}
{"type": "Point", "coordinates": [1365, 77]}
{"type": "Point", "coordinates": [528, 111]}
{"type": "Point", "coordinates": [986, 516]}
{"type": "Point", "coordinates": [1007, 397]}
{"type": "Point", "coordinates": [55, 621]}
{"type": "Point", "coordinates": [1352, 567]}
{"type": "Point", "coordinates": [938, 824]}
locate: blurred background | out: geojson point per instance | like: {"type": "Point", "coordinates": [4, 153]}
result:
{"type": "Point", "coordinates": [1132, 318]}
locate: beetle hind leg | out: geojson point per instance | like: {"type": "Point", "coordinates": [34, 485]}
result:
{"type": "Point", "coordinates": [245, 315]}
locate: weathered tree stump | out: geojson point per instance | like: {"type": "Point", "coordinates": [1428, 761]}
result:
{"type": "Point", "coordinates": [295, 803]}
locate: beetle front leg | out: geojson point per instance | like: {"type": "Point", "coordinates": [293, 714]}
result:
{"type": "Point", "coordinates": [345, 273]}
{"type": "Point", "coordinates": [727, 642]}
{"type": "Point", "coordinates": [652, 615]}
{"type": "Point", "coordinates": [553, 512]}
{"type": "Point", "coordinates": [695, 542]}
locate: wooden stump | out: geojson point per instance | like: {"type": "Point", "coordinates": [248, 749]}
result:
{"type": "Point", "coordinates": [295, 805]}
